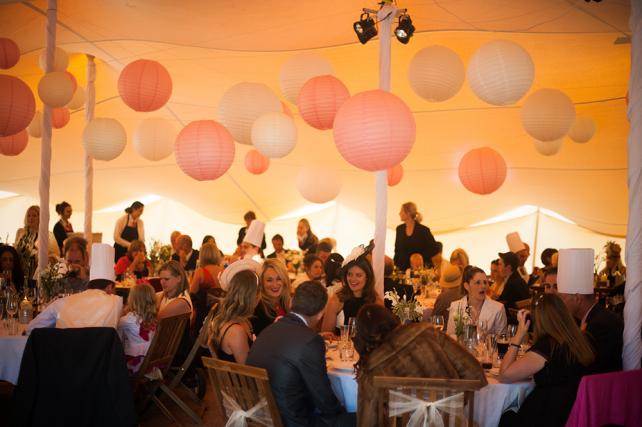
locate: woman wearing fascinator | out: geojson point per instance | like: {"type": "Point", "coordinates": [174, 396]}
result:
{"type": "Point", "coordinates": [358, 289]}
{"type": "Point", "coordinates": [615, 271]}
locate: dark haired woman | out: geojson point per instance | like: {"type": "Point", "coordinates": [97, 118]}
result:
{"type": "Point", "coordinates": [10, 268]}
{"type": "Point", "coordinates": [134, 262]}
{"type": "Point", "coordinates": [63, 228]}
{"type": "Point", "coordinates": [557, 361]}
{"type": "Point", "coordinates": [416, 350]}
{"type": "Point", "coordinates": [128, 228]}
{"type": "Point", "coordinates": [332, 269]}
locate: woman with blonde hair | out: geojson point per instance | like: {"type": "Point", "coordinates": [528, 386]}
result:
{"type": "Point", "coordinates": [412, 237]}
{"type": "Point", "coordinates": [307, 239]}
{"type": "Point", "coordinates": [206, 276]}
{"type": "Point", "coordinates": [615, 271]}
{"type": "Point", "coordinates": [230, 332]}
{"type": "Point", "coordinates": [137, 326]}
{"type": "Point", "coordinates": [459, 257]}
{"type": "Point", "coordinates": [275, 295]}
{"type": "Point", "coordinates": [174, 299]}
{"type": "Point", "coordinates": [27, 238]}
{"type": "Point", "coordinates": [557, 361]}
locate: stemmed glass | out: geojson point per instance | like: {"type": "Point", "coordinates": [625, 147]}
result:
{"type": "Point", "coordinates": [12, 309]}
{"type": "Point", "coordinates": [438, 322]}
{"type": "Point", "coordinates": [352, 323]}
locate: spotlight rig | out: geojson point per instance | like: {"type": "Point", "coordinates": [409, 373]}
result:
{"type": "Point", "coordinates": [366, 26]}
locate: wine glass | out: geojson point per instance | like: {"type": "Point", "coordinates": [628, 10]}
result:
{"type": "Point", "coordinates": [352, 323]}
{"type": "Point", "coordinates": [438, 322]}
{"type": "Point", "coordinates": [12, 308]}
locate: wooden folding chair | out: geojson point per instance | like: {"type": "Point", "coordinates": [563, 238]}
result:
{"type": "Point", "coordinates": [243, 388]}
{"type": "Point", "coordinates": [152, 373]}
{"type": "Point", "coordinates": [400, 397]}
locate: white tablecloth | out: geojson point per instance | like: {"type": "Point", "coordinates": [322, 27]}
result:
{"type": "Point", "coordinates": [11, 349]}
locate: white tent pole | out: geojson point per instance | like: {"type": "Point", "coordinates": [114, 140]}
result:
{"type": "Point", "coordinates": [535, 239]}
{"type": "Point", "coordinates": [45, 154]}
{"type": "Point", "coordinates": [632, 351]}
{"type": "Point", "coordinates": [90, 104]}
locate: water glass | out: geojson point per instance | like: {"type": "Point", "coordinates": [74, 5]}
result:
{"type": "Point", "coordinates": [352, 323]}
{"type": "Point", "coordinates": [438, 322]}
{"type": "Point", "coordinates": [345, 333]}
{"type": "Point", "coordinates": [346, 351]}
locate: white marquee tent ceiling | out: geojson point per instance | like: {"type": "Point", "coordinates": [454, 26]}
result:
{"type": "Point", "coordinates": [209, 46]}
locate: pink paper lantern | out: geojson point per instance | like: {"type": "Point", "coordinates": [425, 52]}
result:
{"type": "Point", "coordinates": [144, 85]}
{"type": "Point", "coordinates": [482, 170]}
{"type": "Point", "coordinates": [319, 100]}
{"type": "Point", "coordinates": [204, 150]}
{"type": "Point", "coordinates": [256, 162]}
{"type": "Point", "coordinates": [374, 130]}
{"type": "Point", "coordinates": [9, 53]}
{"type": "Point", "coordinates": [60, 117]}
{"type": "Point", "coordinates": [17, 105]}
{"type": "Point", "coordinates": [13, 145]}
{"type": "Point", "coordinates": [395, 174]}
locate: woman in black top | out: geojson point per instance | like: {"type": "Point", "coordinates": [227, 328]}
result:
{"type": "Point", "coordinates": [557, 361]}
{"type": "Point", "coordinates": [63, 228]}
{"type": "Point", "coordinates": [307, 239]}
{"type": "Point", "coordinates": [412, 237]}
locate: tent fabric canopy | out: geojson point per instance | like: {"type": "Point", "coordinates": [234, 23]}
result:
{"type": "Point", "coordinates": [208, 47]}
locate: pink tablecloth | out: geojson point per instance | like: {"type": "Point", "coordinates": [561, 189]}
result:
{"type": "Point", "coordinates": [613, 398]}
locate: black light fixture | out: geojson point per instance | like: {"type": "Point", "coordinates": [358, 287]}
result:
{"type": "Point", "coordinates": [405, 29]}
{"type": "Point", "coordinates": [365, 28]}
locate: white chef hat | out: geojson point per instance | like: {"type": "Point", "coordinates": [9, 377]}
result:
{"type": "Point", "coordinates": [102, 262]}
{"type": "Point", "coordinates": [575, 271]}
{"type": "Point", "coordinates": [515, 243]}
{"type": "Point", "coordinates": [254, 233]}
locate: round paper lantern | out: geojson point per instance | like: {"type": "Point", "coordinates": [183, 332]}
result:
{"type": "Point", "coordinates": [436, 73]}
{"type": "Point", "coordinates": [60, 117]}
{"type": "Point", "coordinates": [144, 85]}
{"type": "Point", "coordinates": [13, 145]}
{"type": "Point", "coordinates": [35, 127]}
{"type": "Point", "coordinates": [319, 99]}
{"type": "Point", "coordinates": [298, 70]}
{"type": "Point", "coordinates": [500, 72]}
{"type": "Point", "coordinates": [78, 100]}
{"type": "Point", "coordinates": [56, 89]}
{"type": "Point", "coordinates": [482, 170]}
{"type": "Point", "coordinates": [274, 135]}
{"type": "Point", "coordinates": [582, 130]}
{"type": "Point", "coordinates": [204, 150]}
{"type": "Point", "coordinates": [318, 185]}
{"type": "Point", "coordinates": [154, 139]}
{"type": "Point", "coordinates": [548, 114]}
{"type": "Point", "coordinates": [61, 60]}
{"type": "Point", "coordinates": [104, 139]}
{"type": "Point", "coordinates": [9, 53]}
{"type": "Point", "coordinates": [17, 105]}
{"type": "Point", "coordinates": [374, 130]}
{"type": "Point", "coordinates": [256, 162]}
{"type": "Point", "coordinates": [548, 148]}
{"type": "Point", "coordinates": [242, 104]}
{"type": "Point", "coordinates": [395, 174]}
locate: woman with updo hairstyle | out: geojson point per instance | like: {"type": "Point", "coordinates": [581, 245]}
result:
{"type": "Point", "coordinates": [275, 295]}
{"type": "Point", "coordinates": [63, 227]}
{"type": "Point", "coordinates": [415, 350]}
{"type": "Point", "coordinates": [412, 237]}
{"type": "Point", "coordinates": [128, 228]}
{"type": "Point", "coordinates": [614, 270]}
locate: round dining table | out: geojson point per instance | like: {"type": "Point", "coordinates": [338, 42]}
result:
{"type": "Point", "coordinates": [11, 349]}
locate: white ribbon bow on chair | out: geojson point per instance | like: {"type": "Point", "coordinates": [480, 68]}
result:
{"type": "Point", "coordinates": [238, 416]}
{"type": "Point", "coordinates": [424, 413]}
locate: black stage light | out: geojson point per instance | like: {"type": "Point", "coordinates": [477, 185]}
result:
{"type": "Point", "coordinates": [405, 29]}
{"type": "Point", "coordinates": [365, 28]}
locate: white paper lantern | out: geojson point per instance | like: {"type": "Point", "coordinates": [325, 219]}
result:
{"type": "Point", "coordinates": [274, 135]}
{"type": "Point", "coordinates": [298, 70]}
{"type": "Point", "coordinates": [61, 60]}
{"type": "Point", "coordinates": [436, 73]}
{"type": "Point", "coordinates": [548, 114]}
{"type": "Point", "coordinates": [500, 72]}
{"type": "Point", "coordinates": [56, 89]}
{"type": "Point", "coordinates": [548, 148]}
{"type": "Point", "coordinates": [78, 100]}
{"type": "Point", "coordinates": [582, 130]}
{"type": "Point", "coordinates": [318, 185]}
{"type": "Point", "coordinates": [104, 139]}
{"type": "Point", "coordinates": [242, 104]}
{"type": "Point", "coordinates": [35, 127]}
{"type": "Point", "coordinates": [154, 138]}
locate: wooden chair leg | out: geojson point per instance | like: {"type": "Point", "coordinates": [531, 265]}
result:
{"type": "Point", "coordinates": [181, 404]}
{"type": "Point", "coordinates": [165, 411]}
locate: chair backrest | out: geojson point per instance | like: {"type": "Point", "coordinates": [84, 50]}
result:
{"type": "Point", "coordinates": [525, 303]}
{"type": "Point", "coordinates": [447, 396]}
{"type": "Point", "coordinates": [248, 386]}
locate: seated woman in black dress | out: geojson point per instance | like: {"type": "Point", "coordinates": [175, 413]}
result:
{"type": "Point", "coordinates": [358, 289]}
{"type": "Point", "coordinates": [557, 361]}
{"type": "Point", "coordinates": [275, 295]}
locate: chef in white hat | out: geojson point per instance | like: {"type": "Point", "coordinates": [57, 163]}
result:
{"type": "Point", "coordinates": [251, 245]}
{"type": "Point", "coordinates": [575, 287]}
{"type": "Point", "coordinates": [522, 250]}
{"type": "Point", "coordinates": [95, 307]}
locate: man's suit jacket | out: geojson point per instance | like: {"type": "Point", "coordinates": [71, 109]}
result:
{"type": "Point", "coordinates": [515, 289]}
{"type": "Point", "coordinates": [191, 262]}
{"type": "Point", "coordinates": [605, 332]}
{"type": "Point", "coordinates": [294, 356]}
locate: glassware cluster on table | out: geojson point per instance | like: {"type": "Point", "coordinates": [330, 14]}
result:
{"type": "Point", "coordinates": [346, 344]}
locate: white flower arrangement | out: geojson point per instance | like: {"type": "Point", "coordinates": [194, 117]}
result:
{"type": "Point", "coordinates": [405, 310]}
{"type": "Point", "coordinates": [51, 277]}
{"type": "Point", "coordinates": [295, 258]}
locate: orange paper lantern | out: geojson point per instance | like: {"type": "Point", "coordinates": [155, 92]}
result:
{"type": "Point", "coordinates": [9, 53]}
{"type": "Point", "coordinates": [319, 99]}
{"type": "Point", "coordinates": [482, 170]}
{"type": "Point", "coordinates": [204, 150]}
{"type": "Point", "coordinates": [395, 174]}
{"type": "Point", "coordinates": [60, 117]}
{"type": "Point", "coordinates": [13, 145]}
{"type": "Point", "coordinates": [256, 162]}
{"type": "Point", "coordinates": [374, 130]}
{"type": "Point", "coordinates": [17, 105]}
{"type": "Point", "coordinates": [144, 85]}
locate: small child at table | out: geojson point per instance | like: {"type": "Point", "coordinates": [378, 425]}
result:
{"type": "Point", "coordinates": [136, 328]}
